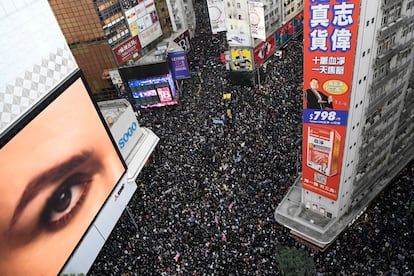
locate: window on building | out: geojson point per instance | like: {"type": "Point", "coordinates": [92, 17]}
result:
{"type": "Point", "coordinates": [391, 14]}
{"type": "Point", "coordinates": [386, 44]}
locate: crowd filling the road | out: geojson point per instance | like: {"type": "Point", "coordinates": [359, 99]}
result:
{"type": "Point", "coordinates": [205, 204]}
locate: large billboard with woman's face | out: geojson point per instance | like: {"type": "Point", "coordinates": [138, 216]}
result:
{"type": "Point", "coordinates": [58, 169]}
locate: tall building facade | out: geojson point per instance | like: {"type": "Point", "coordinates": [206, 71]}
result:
{"type": "Point", "coordinates": [183, 13]}
{"type": "Point", "coordinates": [108, 34]}
{"type": "Point", "coordinates": [363, 136]}
{"type": "Point", "coordinates": [254, 29]}
{"type": "Point", "coordinates": [291, 8]}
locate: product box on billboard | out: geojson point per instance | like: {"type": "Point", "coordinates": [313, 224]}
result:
{"type": "Point", "coordinates": [323, 150]}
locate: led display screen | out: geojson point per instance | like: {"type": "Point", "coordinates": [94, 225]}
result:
{"type": "Point", "coordinates": [164, 94]}
{"type": "Point", "coordinates": [152, 91]}
{"type": "Point", "coordinates": [61, 164]}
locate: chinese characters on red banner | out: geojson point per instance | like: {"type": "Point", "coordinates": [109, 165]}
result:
{"type": "Point", "coordinates": [330, 31]}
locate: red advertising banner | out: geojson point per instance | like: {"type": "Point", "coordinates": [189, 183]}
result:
{"type": "Point", "coordinates": [290, 27]}
{"type": "Point", "coordinates": [330, 32]}
{"type": "Point", "coordinates": [124, 51]}
{"type": "Point", "coordinates": [264, 50]}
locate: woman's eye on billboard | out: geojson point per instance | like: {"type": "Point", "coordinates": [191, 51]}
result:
{"type": "Point", "coordinates": [65, 201]}
{"type": "Point", "coordinates": [61, 166]}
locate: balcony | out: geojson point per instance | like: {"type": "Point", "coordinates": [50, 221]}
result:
{"type": "Point", "coordinates": [390, 74]}
{"type": "Point", "coordinates": [381, 100]}
{"type": "Point", "coordinates": [388, 54]}
{"type": "Point", "coordinates": [402, 140]}
{"type": "Point", "coordinates": [401, 157]}
{"type": "Point", "coordinates": [390, 3]}
{"type": "Point", "coordinates": [392, 27]}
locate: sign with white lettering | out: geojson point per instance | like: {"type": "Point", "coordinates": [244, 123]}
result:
{"type": "Point", "coordinates": [330, 32]}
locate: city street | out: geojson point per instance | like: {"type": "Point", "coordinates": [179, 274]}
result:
{"type": "Point", "coordinates": [205, 204]}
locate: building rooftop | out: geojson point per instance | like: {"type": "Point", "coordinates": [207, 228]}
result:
{"type": "Point", "coordinates": [112, 109]}
{"type": "Point", "coordinates": [157, 55]}
{"type": "Point", "coordinates": [313, 227]}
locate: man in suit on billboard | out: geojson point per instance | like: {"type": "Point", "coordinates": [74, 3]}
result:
{"type": "Point", "coordinates": [315, 99]}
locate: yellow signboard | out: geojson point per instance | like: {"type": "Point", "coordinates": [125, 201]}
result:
{"type": "Point", "coordinates": [241, 59]}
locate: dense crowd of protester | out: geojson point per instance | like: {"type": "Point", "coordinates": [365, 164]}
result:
{"type": "Point", "coordinates": [205, 204]}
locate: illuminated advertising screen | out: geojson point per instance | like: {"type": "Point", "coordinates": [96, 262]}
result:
{"type": "Point", "coordinates": [61, 164]}
{"type": "Point", "coordinates": [264, 50]}
{"type": "Point", "coordinates": [164, 94]}
{"type": "Point", "coordinates": [330, 32]}
{"type": "Point", "coordinates": [145, 97]}
{"type": "Point", "coordinates": [154, 91]}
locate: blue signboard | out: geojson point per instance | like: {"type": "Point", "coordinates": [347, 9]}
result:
{"type": "Point", "coordinates": [179, 65]}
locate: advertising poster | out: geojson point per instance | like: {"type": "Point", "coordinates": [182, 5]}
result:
{"type": "Point", "coordinates": [131, 15]}
{"type": "Point", "coordinates": [257, 20]}
{"type": "Point", "coordinates": [179, 65]}
{"type": "Point", "coordinates": [264, 50]}
{"type": "Point", "coordinates": [298, 22]}
{"type": "Point", "coordinates": [217, 15]}
{"type": "Point", "coordinates": [284, 33]}
{"type": "Point", "coordinates": [57, 182]}
{"type": "Point", "coordinates": [150, 34]}
{"type": "Point", "coordinates": [124, 51]}
{"type": "Point", "coordinates": [184, 41]}
{"type": "Point", "coordinates": [241, 59]}
{"type": "Point", "coordinates": [143, 21]}
{"type": "Point", "coordinates": [330, 31]}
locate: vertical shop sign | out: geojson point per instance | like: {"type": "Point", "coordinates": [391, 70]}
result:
{"type": "Point", "coordinates": [330, 32]}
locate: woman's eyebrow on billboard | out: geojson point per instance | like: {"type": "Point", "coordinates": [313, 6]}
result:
{"type": "Point", "coordinates": [49, 178]}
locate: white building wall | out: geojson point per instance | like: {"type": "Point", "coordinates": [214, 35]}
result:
{"type": "Point", "coordinates": [190, 16]}
{"type": "Point", "coordinates": [380, 124]}
{"type": "Point", "coordinates": [182, 15]}
{"type": "Point", "coordinates": [366, 43]}
{"type": "Point", "coordinates": [237, 23]}
{"type": "Point", "coordinates": [273, 15]}
{"type": "Point", "coordinates": [291, 9]}
{"type": "Point", "coordinates": [362, 99]}
{"type": "Point", "coordinates": [35, 57]}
